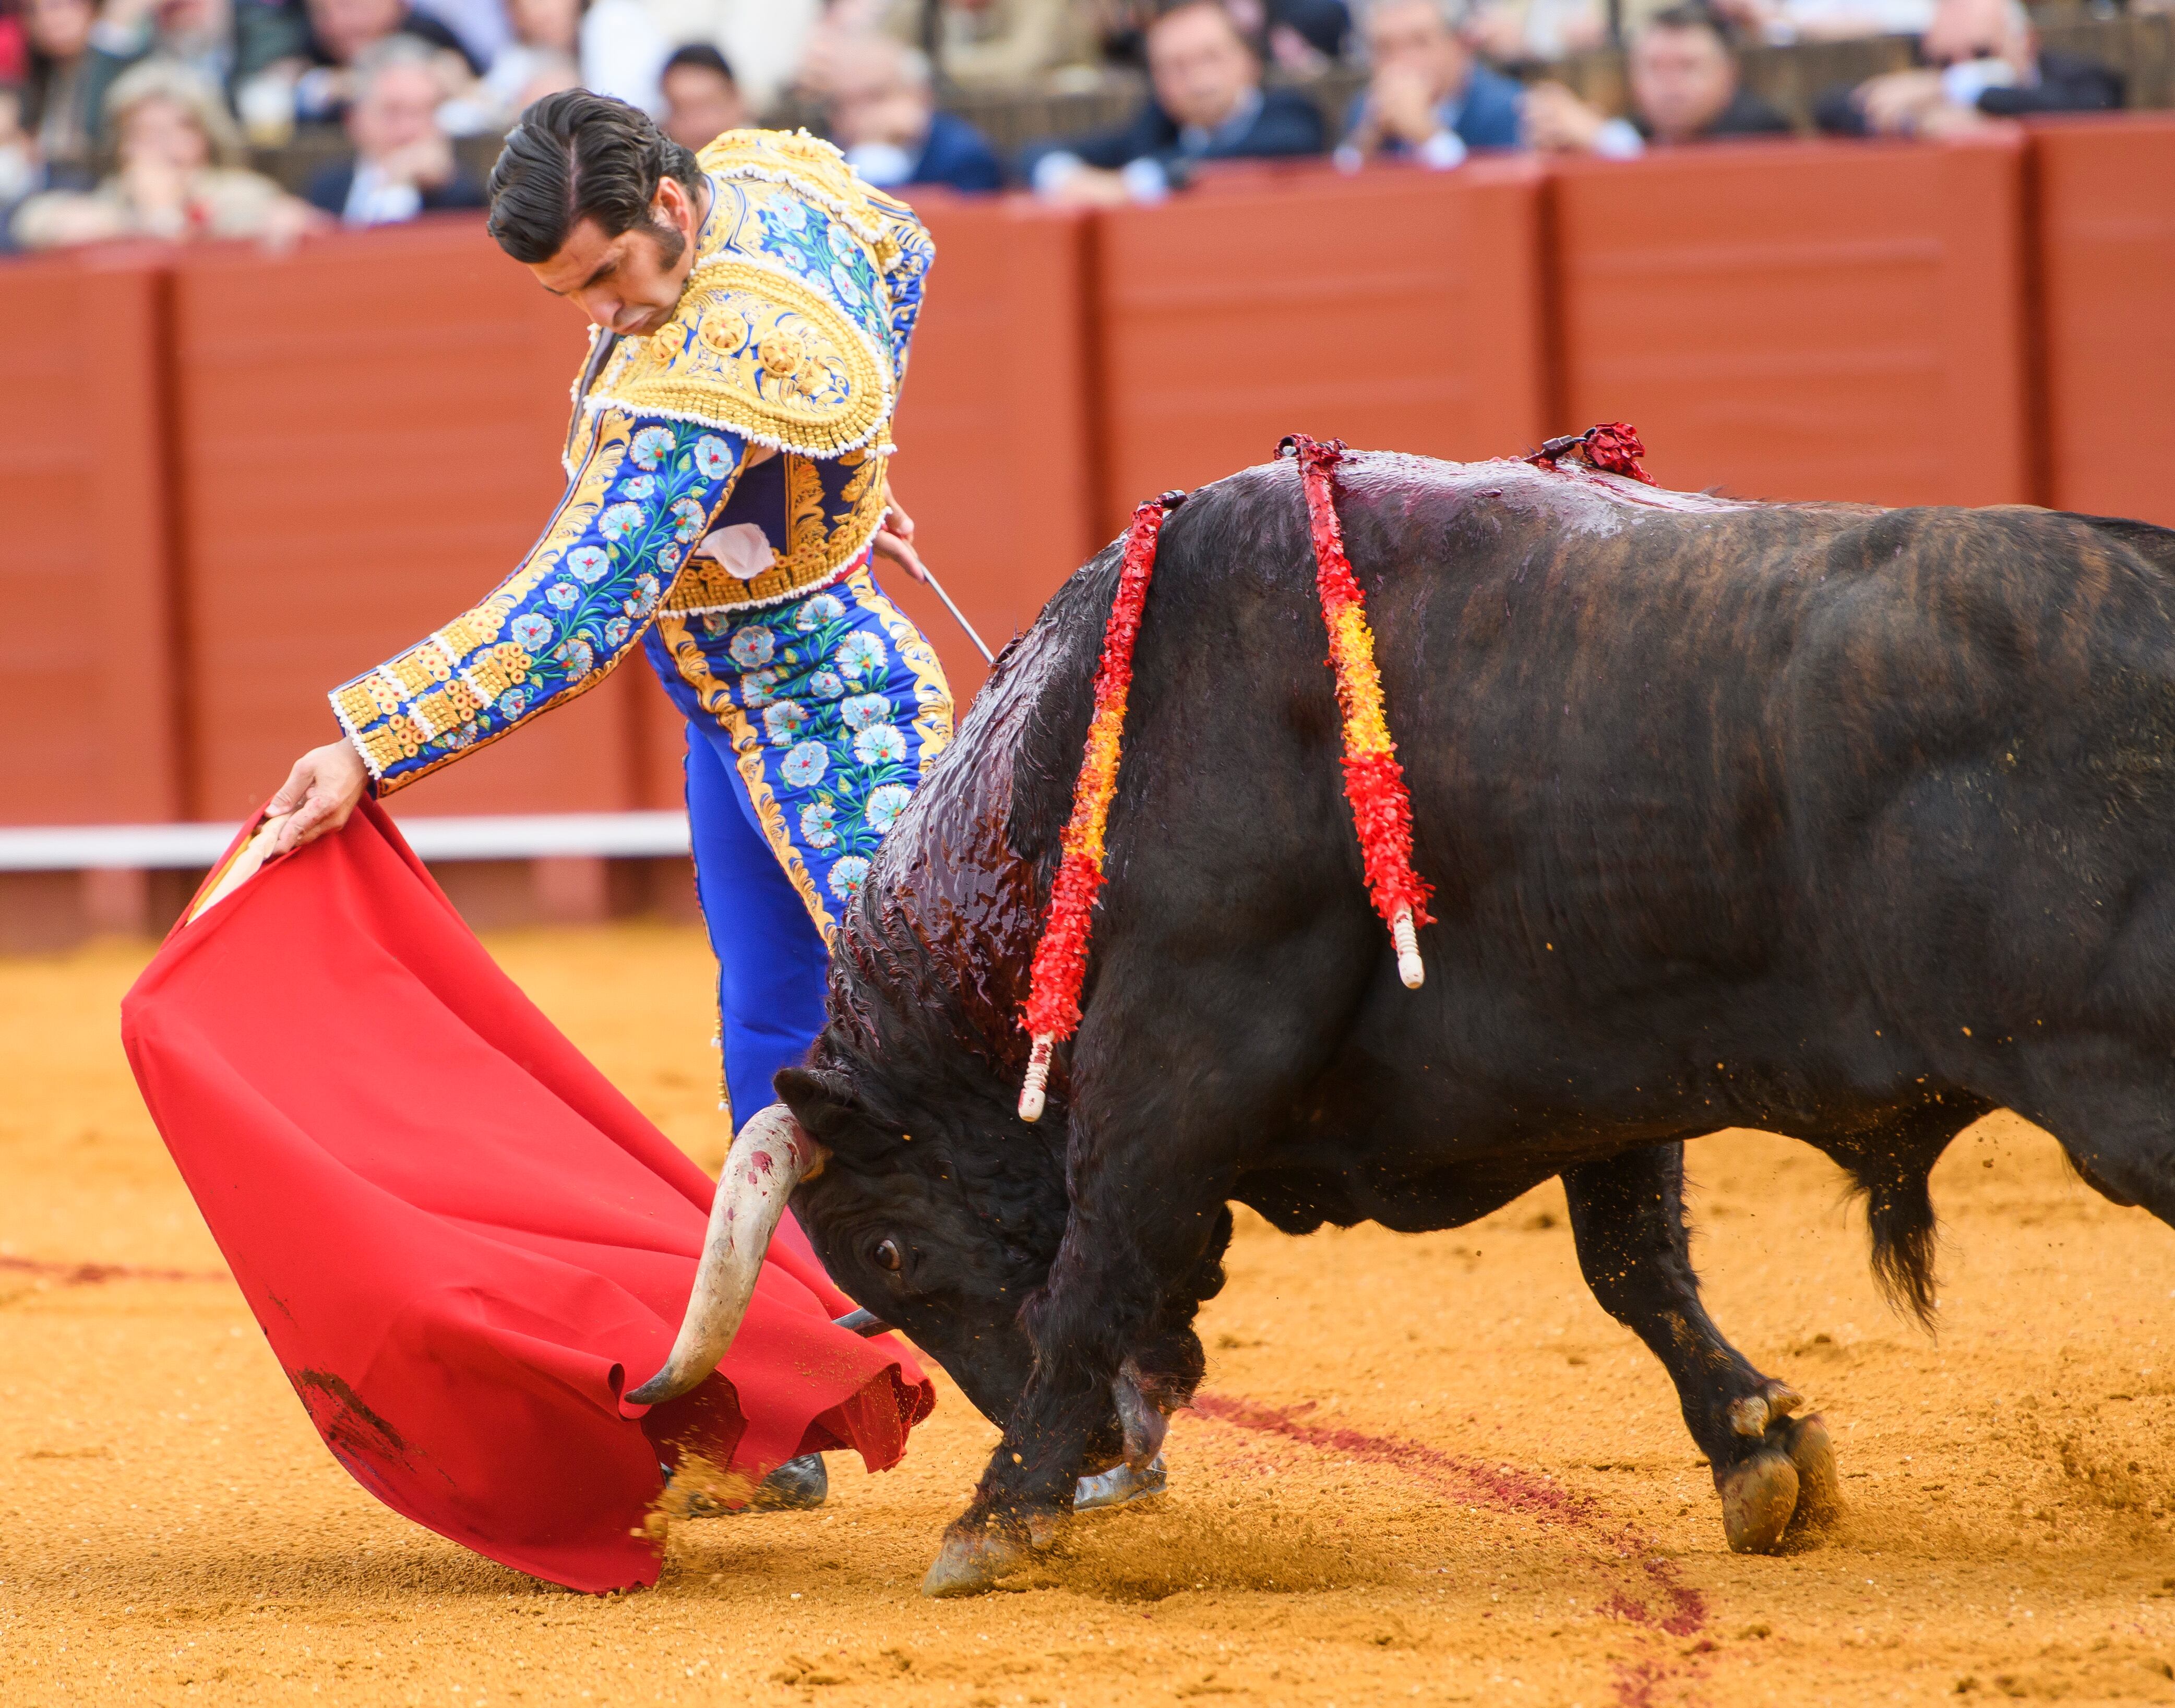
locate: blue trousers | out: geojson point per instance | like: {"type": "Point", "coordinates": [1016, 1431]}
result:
{"type": "Point", "coordinates": [771, 958]}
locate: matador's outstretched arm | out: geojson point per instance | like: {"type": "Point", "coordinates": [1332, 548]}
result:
{"type": "Point", "coordinates": [640, 501]}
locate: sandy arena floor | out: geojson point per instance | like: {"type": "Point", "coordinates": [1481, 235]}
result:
{"type": "Point", "coordinates": [1425, 1469]}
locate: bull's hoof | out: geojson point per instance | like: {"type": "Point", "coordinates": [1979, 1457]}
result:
{"type": "Point", "coordinates": [972, 1562]}
{"type": "Point", "coordinates": [1819, 1489]}
{"type": "Point", "coordinates": [1757, 1500]}
{"type": "Point", "coordinates": [1120, 1485]}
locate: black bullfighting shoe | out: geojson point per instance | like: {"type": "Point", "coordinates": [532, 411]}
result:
{"type": "Point", "coordinates": [1120, 1484]}
{"type": "Point", "coordinates": [796, 1486]}
{"type": "Point", "coordinates": [799, 1485]}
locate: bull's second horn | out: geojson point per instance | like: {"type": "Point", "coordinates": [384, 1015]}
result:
{"type": "Point", "coordinates": [1407, 939]}
{"type": "Point", "coordinates": [770, 1158]}
{"type": "Point", "coordinates": [1034, 1087]}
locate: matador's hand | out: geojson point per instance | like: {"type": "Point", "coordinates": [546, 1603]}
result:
{"type": "Point", "coordinates": [895, 540]}
{"type": "Point", "coordinates": [320, 793]}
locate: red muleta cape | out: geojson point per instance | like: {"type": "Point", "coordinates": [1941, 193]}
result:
{"type": "Point", "coordinates": [457, 1236]}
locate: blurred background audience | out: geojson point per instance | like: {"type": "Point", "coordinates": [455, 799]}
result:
{"type": "Point", "coordinates": [1428, 94]}
{"type": "Point", "coordinates": [1982, 62]}
{"type": "Point", "coordinates": [703, 97]}
{"type": "Point", "coordinates": [385, 110]}
{"type": "Point", "coordinates": [178, 173]}
{"type": "Point", "coordinates": [57, 109]}
{"type": "Point", "coordinates": [1686, 87]}
{"type": "Point", "coordinates": [402, 163]}
{"type": "Point", "coordinates": [881, 110]}
{"type": "Point", "coordinates": [1206, 103]}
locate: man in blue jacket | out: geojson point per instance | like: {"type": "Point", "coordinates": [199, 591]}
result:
{"type": "Point", "coordinates": [1429, 98]}
{"type": "Point", "coordinates": [1208, 105]}
{"type": "Point", "coordinates": [883, 112]}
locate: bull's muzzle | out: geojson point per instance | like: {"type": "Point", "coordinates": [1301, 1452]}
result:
{"type": "Point", "coordinates": [770, 1158]}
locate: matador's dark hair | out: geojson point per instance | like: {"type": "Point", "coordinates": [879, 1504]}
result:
{"type": "Point", "coordinates": [576, 156]}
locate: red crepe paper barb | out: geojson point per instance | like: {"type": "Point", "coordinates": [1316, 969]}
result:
{"type": "Point", "coordinates": [1614, 448]}
{"type": "Point", "coordinates": [457, 1236]}
{"type": "Point", "coordinates": [1060, 959]}
{"type": "Point", "coordinates": [1374, 780]}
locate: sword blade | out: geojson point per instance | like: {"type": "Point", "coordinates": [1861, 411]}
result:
{"type": "Point", "coordinates": [959, 616]}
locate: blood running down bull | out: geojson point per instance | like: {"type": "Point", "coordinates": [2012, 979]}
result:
{"type": "Point", "coordinates": [1849, 824]}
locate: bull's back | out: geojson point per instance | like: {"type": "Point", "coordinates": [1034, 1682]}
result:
{"type": "Point", "coordinates": [1684, 759]}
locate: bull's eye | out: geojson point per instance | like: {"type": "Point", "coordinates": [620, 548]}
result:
{"type": "Point", "coordinates": [888, 1255]}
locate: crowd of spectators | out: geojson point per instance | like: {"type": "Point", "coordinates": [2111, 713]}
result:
{"type": "Point", "coordinates": [135, 117]}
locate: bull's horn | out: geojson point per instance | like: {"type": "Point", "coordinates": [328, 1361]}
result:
{"type": "Point", "coordinates": [770, 1158]}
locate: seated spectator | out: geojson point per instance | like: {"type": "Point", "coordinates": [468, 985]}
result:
{"type": "Point", "coordinates": [1983, 61]}
{"type": "Point", "coordinates": [883, 114]}
{"type": "Point", "coordinates": [980, 44]}
{"type": "Point", "coordinates": [1428, 97]}
{"type": "Point", "coordinates": [56, 96]}
{"type": "Point", "coordinates": [1208, 105]}
{"type": "Point", "coordinates": [540, 56]}
{"type": "Point", "coordinates": [178, 176]}
{"type": "Point", "coordinates": [403, 163]}
{"type": "Point", "coordinates": [1303, 37]}
{"type": "Point", "coordinates": [226, 47]}
{"type": "Point", "coordinates": [341, 31]}
{"type": "Point", "coordinates": [701, 99]}
{"type": "Point", "coordinates": [765, 41]}
{"type": "Point", "coordinates": [19, 154]}
{"type": "Point", "coordinates": [1684, 88]}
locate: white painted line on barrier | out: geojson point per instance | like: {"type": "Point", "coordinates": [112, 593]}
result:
{"type": "Point", "coordinates": [497, 837]}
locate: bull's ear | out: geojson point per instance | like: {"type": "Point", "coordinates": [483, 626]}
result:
{"type": "Point", "coordinates": [823, 1102]}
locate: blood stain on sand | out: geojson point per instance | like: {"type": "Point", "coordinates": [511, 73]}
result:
{"type": "Point", "coordinates": [1683, 1611]}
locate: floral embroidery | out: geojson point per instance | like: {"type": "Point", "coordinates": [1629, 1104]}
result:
{"type": "Point", "coordinates": [783, 720]}
{"type": "Point", "coordinates": [687, 519]}
{"type": "Point", "coordinates": [713, 456]}
{"type": "Point", "coordinates": [851, 753]}
{"type": "Point", "coordinates": [817, 819]}
{"type": "Point", "coordinates": [805, 766]}
{"type": "Point", "coordinates": [885, 806]}
{"type": "Point", "coordinates": [861, 652]}
{"type": "Point", "coordinates": [823, 608]}
{"type": "Point", "coordinates": [861, 711]}
{"type": "Point", "coordinates": [881, 746]}
{"type": "Point", "coordinates": [848, 876]}
{"type": "Point", "coordinates": [561, 620]}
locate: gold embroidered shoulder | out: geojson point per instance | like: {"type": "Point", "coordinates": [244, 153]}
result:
{"type": "Point", "coordinates": [785, 333]}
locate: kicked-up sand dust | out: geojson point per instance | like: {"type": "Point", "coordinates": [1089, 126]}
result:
{"type": "Point", "coordinates": [1424, 1469]}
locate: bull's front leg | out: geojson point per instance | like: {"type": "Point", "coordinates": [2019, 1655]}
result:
{"type": "Point", "coordinates": [1130, 1264]}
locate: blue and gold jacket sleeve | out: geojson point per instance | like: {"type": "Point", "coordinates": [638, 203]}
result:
{"type": "Point", "coordinates": [638, 504]}
{"type": "Point", "coordinates": [905, 256]}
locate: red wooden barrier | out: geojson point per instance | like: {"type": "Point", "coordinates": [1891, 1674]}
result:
{"type": "Point", "coordinates": [368, 433]}
{"type": "Point", "coordinates": [86, 677]}
{"type": "Point", "coordinates": [1398, 309]}
{"type": "Point", "coordinates": [1804, 320]}
{"type": "Point", "coordinates": [2106, 241]}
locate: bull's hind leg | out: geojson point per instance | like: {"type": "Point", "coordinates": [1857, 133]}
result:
{"type": "Point", "coordinates": [1628, 1216]}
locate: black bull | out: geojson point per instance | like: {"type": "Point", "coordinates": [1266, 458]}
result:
{"type": "Point", "coordinates": [1846, 824]}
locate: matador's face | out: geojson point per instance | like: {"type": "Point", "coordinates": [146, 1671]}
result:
{"type": "Point", "coordinates": [631, 284]}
